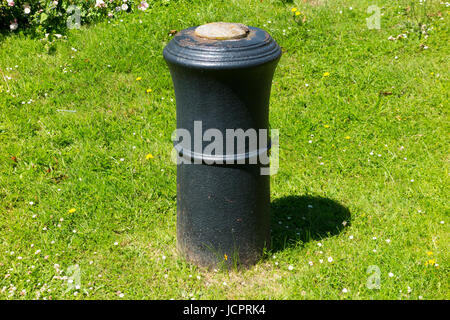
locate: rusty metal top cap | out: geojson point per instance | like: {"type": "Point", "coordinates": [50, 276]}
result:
{"type": "Point", "coordinates": [221, 45]}
{"type": "Point", "coordinates": [222, 31]}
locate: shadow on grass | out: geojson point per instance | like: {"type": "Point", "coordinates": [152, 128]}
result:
{"type": "Point", "coordinates": [299, 219]}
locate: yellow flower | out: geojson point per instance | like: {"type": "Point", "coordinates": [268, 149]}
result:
{"type": "Point", "coordinates": [429, 253]}
{"type": "Point", "coordinates": [326, 126]}
{"type": "Point", "coordinates": [72, 210]}
{"type": "Point", "coordinates": [297, 13]}
{"type": "Point", "coordinates": [432, 261]}
{"type": "Point", "coordinates": [138, 78]}
{"type": "Point", "coordinates": [294, 9]}
{"type": "Point", "coordinates": [326, 74]}
{"type": "Point", "coordinates": [149, 90]}
{"type": "Point", "coordinates": [149, 156]}
{"type": "Point", "coordinates": [347, 137]}
{"type": "Point", "coordinates": [225, 256]}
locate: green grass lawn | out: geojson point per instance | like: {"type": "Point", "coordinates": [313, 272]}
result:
{"type": "Point", "coordinates": [363, 142]}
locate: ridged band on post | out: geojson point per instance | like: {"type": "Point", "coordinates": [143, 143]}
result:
{"type": "Point", "coordinates": [222, 75]}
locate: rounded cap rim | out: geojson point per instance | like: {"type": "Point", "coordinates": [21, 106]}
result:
{"type": "Point", "coordinates": [190, 50]}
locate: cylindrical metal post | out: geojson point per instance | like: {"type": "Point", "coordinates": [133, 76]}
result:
{"type": "Point", "coordinates": [222, 75]}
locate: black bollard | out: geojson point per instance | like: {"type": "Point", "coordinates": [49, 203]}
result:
{"type": "Point", "coordinates": [222, 75]}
